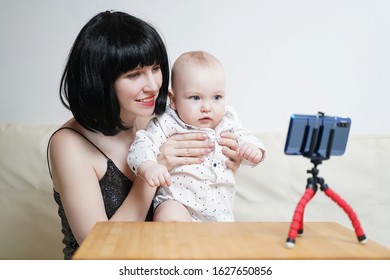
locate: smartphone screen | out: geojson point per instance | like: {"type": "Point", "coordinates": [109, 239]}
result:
{"type": "Point", "coordinates": [311, 135]}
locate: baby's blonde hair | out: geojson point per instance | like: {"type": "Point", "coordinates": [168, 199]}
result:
{"type": "Point", "coordinates": [199, 57]}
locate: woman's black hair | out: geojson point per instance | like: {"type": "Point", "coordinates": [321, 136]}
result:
{"type": "Point", "coordinates": [110, 44]}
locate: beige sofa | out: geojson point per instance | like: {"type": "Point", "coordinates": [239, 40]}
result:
{"type": "Point", "coordinates": [30, 227]}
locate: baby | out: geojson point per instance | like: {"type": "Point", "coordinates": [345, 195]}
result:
{"type": "Point", "coordinates": [197, 192]}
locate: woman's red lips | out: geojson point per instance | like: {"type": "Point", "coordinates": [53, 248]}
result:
{"type": "Point", "coordinates": [146, 101]}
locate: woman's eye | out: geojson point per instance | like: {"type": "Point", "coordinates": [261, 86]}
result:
{"type": "Point", "coordinates": [133, 75]}
{"type": "Point", "coordinates": [157, 68]}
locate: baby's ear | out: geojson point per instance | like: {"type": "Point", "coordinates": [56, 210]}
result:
{"type": "Point", "coordinates": [172, 99]}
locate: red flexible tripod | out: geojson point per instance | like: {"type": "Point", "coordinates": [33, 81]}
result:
{"type": "Point", "coordinates": [296, 226]}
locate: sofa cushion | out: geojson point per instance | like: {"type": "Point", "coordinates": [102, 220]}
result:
{"type": "Point", "coordinates": [30, 223]}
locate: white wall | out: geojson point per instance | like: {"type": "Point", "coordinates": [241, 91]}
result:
{"type": "Point", "coordinates": [281, 56]}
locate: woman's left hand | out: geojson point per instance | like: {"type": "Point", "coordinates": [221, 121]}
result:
{"type": "Point", "coordinates": [230, 145]}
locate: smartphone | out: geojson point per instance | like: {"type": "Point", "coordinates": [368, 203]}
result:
{"type": "Point", "coordinates": [317, 136]}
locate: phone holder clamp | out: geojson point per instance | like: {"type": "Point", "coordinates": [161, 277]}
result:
{"type": "Point", "coordinates": [296, 227]}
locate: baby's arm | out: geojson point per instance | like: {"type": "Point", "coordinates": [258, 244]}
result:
{"type": "Point", "coordinates": [250, 149]}
{"type": "Point", "coordinates": [250, 152]}
{"type": "Point", "coordinates": [143, 153]}
{"type": "Point", "coordinates": [154, 174]}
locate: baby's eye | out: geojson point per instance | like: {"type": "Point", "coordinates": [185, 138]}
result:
{"type": "Point", "coordinates": [218, 97]}
{"type": "Point", "coordinates": [194, 97]}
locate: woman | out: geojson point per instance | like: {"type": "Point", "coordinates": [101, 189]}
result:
{"type": "Point", "coordinates": [115, 79]}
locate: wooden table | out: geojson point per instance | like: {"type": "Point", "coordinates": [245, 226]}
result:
{"type": "Point", "coordinates": [236, 241]}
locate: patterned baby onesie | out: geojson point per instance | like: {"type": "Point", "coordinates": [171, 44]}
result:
{"type": "Point", "coordinates": [207, 190]}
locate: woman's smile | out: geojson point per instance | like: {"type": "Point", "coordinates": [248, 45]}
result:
{"type": "Point", "coordinates": [149, 101]}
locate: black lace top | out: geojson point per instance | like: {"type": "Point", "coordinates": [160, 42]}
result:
{"type": "Point", "coordinates": [115, 187]}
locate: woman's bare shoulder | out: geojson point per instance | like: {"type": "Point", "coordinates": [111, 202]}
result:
{"type": "Point", "coordinates": [71, 153]}
{"type": "Point", "coordinates": [70, 137]}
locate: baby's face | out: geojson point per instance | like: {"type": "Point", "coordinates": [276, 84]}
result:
{"type": "Point", "coordinates": [199, 95]}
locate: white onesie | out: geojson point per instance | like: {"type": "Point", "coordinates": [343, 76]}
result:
{"type": "Point", "coordinates": [207, 190]}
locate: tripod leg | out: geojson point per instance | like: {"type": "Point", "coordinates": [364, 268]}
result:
{"type": "Point", "coordinates": [347, 209]}
{"type": "Point", "coordinates": [297, 221]}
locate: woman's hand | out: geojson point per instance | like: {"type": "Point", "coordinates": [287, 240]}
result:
{"type": "Point", "coordinates": [183, 149]}
{"type": "Point", "coordinates": [229, 141]}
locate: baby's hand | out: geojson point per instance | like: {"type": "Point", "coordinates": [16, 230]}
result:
{"type": "Point", "coordinates": [250, 152]}
{"type": "Point", "coordinates": [154, 174]}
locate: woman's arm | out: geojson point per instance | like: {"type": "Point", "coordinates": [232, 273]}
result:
{"type": "Point", "coordinates": [75, 178]}
{"type": "Point", "coordinates": [76, 169]}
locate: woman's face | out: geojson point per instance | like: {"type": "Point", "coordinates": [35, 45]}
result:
{"type": "Point", "coordinates": [137, 91]}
